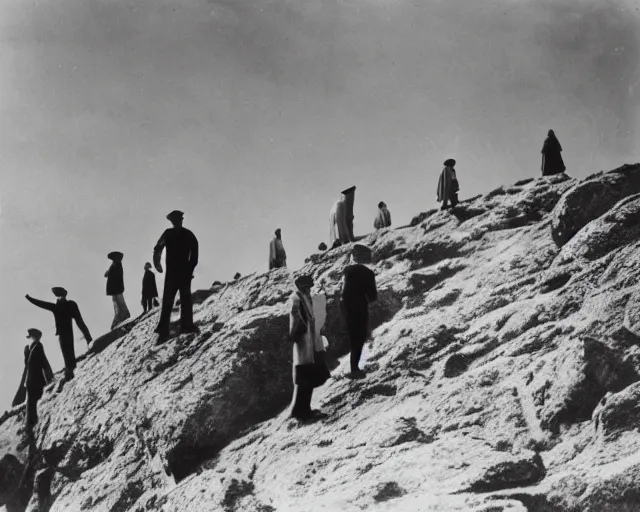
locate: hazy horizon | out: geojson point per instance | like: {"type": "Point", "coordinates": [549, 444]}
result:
{"type": "Point", "coordinates": [253, 115]}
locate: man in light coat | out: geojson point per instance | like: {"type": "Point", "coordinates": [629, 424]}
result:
{"type": "Point", "coordinates": [309, 365]}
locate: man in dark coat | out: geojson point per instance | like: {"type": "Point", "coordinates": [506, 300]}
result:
{"type": "Point", "coordinates": [149, 288]}
{"type": "Point", "coordinates": [358, 290]}
{"type": "Point", "coordinates": [552, 162]}
{"type": "Point", "coordinates": [65, 312]}
{"type": "Point", "coordinates": [182, 258]}
{"type": "Point", "coordinates": [115, 289]}
{"type": "Point", "coordinates": [37, 374]}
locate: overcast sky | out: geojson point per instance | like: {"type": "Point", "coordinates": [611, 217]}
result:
{"type": "Point", "coordinates": [251, 115]}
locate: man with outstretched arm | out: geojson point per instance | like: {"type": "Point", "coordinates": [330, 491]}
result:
{"type": "Point", "coordinates": [65, 312]}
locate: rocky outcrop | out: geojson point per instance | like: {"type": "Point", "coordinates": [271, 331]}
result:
{"type": "Point", "coordinates": [591, 199]}
{"type": "Point", "coordinates": [501, 375]}
{"type": "Point", "coordinates": [618, 227]}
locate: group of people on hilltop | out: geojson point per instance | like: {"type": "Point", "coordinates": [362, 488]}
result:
{"type": "Point", "coordinates": [181, 260]}
{"type": "Point", "coordinates": [307, 312]}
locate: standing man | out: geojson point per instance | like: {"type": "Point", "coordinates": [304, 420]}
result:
{"type": "Point", "coordinates": [277, 254]}
{"type": "Point", "coordinates": [309, 364]}
{"type": "Point", "coordinates": [65, 311]}
{"type": "Point", "coordinates": [341, 219]}
{"type": "Point", "coordinates": [358, 290]}
{"type": "Point", "coordinates": [115, 288]}
{"type": "Point", "coordinates": [182, 258]}
{"type": "Point", "coordinates": [149, 288]}
{"type": "Point", "coordinates": [37, 374]}
{"type": "Point", "coordinates": [448, 186]}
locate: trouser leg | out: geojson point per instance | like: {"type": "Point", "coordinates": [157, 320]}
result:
{"type": "Point", "coordinates": [168, 299]}
{"type": "Point", "coordinates": [302, 394]}
{"type": "Point", "coordinates": [186, 305]}
{"type": "Point", "coordinates": [31, 412]}
{"type": "Point", "coordinates": [445, 203]}
{"type": "Point", "coordinates": [357, 343]}
{"type": "Point", "coordinates": [454, 199]}
{"type": "Point", "coordinates": [68, 352]}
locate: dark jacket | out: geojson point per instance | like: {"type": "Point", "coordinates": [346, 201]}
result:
{"type": "Point", "coordinates": [115, 279]}
{"type": "Point", "coordinates": [182, 252]}
{"type": "Point", "coordinates": [36, 375]}
{"type": "Point", "coordinates": [64, 312]}
{"type": "Point", "coordinates": [149, 288]}
{"type": "Point", "coordinates": [39, 372]}
{"type": "Point", "coordinates": [359, 287]}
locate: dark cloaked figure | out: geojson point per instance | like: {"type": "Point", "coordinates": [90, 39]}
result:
{"type": "Point", "coordinates": [149, 288]}
{"type": "Point", "coordinates": [358, 290]}
{"type": "Point", "coordinates": [181, 259]}
{"type": "Point", "coordinates": [448, 186]}
{"type": "Point", "coordinates": [552, 162]}
{"type": "Point", "coordinates": [37, 374]}
{"type": "Point", "coordinates": [115, 288]}
{"type": "Point", "coordinates": [65, 312]}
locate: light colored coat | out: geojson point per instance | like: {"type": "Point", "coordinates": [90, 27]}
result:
{"type": "Point", "coordinates": [303, 309]}
{"type": "Point", "coordinates": [383, 219]}
{"type": "Point", "coordinates": [277, 254]}
{"type": "Point", "coordinates": [338, 229]}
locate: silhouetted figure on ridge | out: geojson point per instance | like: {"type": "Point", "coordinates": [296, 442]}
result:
{"type": "Point", "coordinates": [310, 370]}
{"type": "Point", "coordinates": [448, 185]}
{"type": "Point", "coordinates": [341, 219]}
{"type": "Point", "coordinates": [65, 312]}
{"type": "Point", "coordinates": [37, 374]}
{"type": "Point", "coordinates": [358, 290]}
{"type": "Point", "coordinates": [149, 289]}
{"type": "Point", "coordinates": [277, 254]}
{"type": "Point", "coordinates": [182, 259]}
{"type": "Point", "coordinates": [383, 219]}
{"type": "Point", "coordinates": [115, 289]}
{"type": "Point", "coordinates": [552, 162]}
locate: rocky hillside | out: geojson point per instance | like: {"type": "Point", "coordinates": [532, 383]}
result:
{"type": "Point", "coordinates": [502, 376]}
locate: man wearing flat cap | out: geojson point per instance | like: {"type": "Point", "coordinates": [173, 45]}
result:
{"type": "Point", "coordinates": [448, 185]}
{"type": "Point", "coordinates": [37, 374]}
{"type": "Point", "coordinates": [65, 312]}
{"type": "Point", "coordinates": [341, 219]}
{"type": "Point", "coordinates": [181, 260]}
{"type": "Point", "coordinates": [115, 289]}
{"type": "Point", "coordinates": [277, 254]}
{"type": "Point", "coordinates": [358, 290]}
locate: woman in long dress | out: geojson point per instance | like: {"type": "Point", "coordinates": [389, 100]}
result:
{"type": "Point", "coordinates": [552, 162]}
{"type": "Point", "coordinates": [115, 288]}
